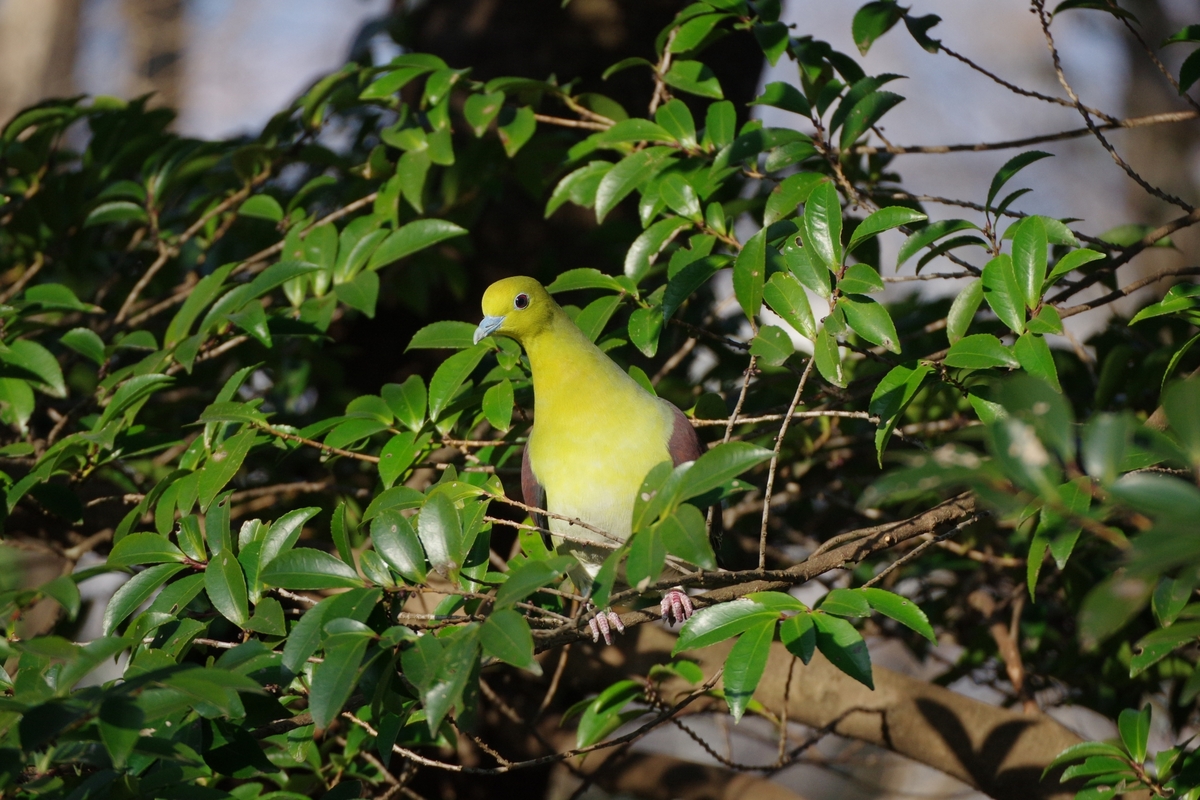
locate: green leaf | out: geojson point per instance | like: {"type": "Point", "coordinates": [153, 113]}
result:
{"type": "Point", "coordinates": [688, 280]}
{"type": "Point", "coordinates": [120, 721]}
{"type": "Point", "coordinates": [1071, 261]}
{"type": "Point", "coordinates": [115, 211]}
{"type": "Point", "coordinates": [891, 396]}
{"type": "Point", "coordinates": [262, 206]}
{"type": "Point", "coordinates": [720, 124]}
{"type": "Point", "coordinates": [870, 320]}
{"type": "Point", "coordinates": [647, 554]}
{"type": "Point", "coordinates": [340, 529]}
{"type": "Point", "coordinates": [412, 169]}
{"type": "Point", "coordinates": [407, 401]}
{"type": "Point", "coordinates": [631, 172]}
{"type": "Point", "coordinates": [1098, 5]}
{"type": "Point", "coordinates": [223, 464]}
{"type": "Point", "coordinates": [692, 33]}
{"type": "Point", "coordinates": [788, 194]}
{"type": "Point", "coordinates": [305, 568]}
{"type": "Point", "coordinates": [143, 548]}
{"type": "Point", "coordinates": [980, 351]}
{"type": "Point", "coordinates": [65, 591]}
{"type": "Point", "coordinates": [1046, 321]}
{"type": "Point", "coordinates": [1157, 645]}
{"type": "Point", "coordinates": [720, 622]}
{"type": "Point", "coordinates": [517, 130]}
{"type": "Point", "coordinates": [872, 21]}
{"type": "Point", "coordinates": [361, 293]}
{"type": "Point", "coordinates": [930, 234]}
{"type": "Point", "coordinates": [649, 244]}
{"type": "Point", "coordinates": [579, 186]}
{"type": "Point", "coordinates": [634, 130]}
{"type": "Point", "coordinates": [799, 636]}
{"type": "Point", "coordinates": [506, 636]}
{"type": "Point", "coordinates": [1080, 751]}
{"type": "Point", "coordinates": [866, 113]}
{"type": "Point", "coordinates": [787, 298]}
{"type": "Point", "coordinates": [603, 715]}
{"type": "Point", "coordinates": [745, 665]}
{"type": "Point", "coordinates": [845, 603]}
{"type": "Point", "coordinates": [447, 334]}
{"type": "Point", "coordinates": [828, 357]}
{"type": "Point", "coordinates": [962, 311]}
{"type": "Point", "coordinates": [773, 39]}
{"type": "Point", "coordinates": [529, 577]}
{"type": "Point", "coordinates": [860, 279]}
{"type": "Point", "coordinates": [823, 225]}
{"type": "Point", "coordinates": [883, 220]}
{"type": "Point", "coordinates": [1134, 727]}
{"type": "Point", "coordinates": [781, 94]}
{"type": "Point", "coordinates": [772, 345]}
{"type": "Point", "coordinates": [451, 673]}
{"type": "Point", "coordinates": [839, 642]}
{"type": "Point", "coordinates": [1180, 297]}
{"type": "Point", "coordinates": [480, 109]}
{"type": "Point", "coordinates": [720, 464]}
{"type": "Point", "coordinates": [749, 273]}
{"type": "Point", "coordinates": [413, 237]}
{"type": "Point", "coordinates": [134, 592]}
{"type": "Point", "coordinates": [396, 498]}
{"type": "Point", "coordinates": [693, 77]}
{"type": "Point", "coordinates": [439, 528]}
{"type": "Point", "coordinates": [1029, 259]}
{"type": "Point", "coordinates": [1011, 168]}
{"type": "Point", "coordinates": [226, 587]}
{"type": "Point", "coordinates": [595, 315]}
{"type": "Point", "coordinates": [284, 533]}
{"type": "Point", "coordinates": [397, 542]}
{"type": "Point", "coordinates": [1003, 292]}
{"type": "Point", "coordinates": [584, 278]}
{"type": "Point", "coordinates": [685, 534]}
{"type": "Point", "coordinates": [334, 678]}
{"type": "Point", "coordinates": [450, 375]}
{"type": "Point", "coordinates": [901, 609]}
{"type": "Point", "coordinates": [86, 343]}
{"type": "Point", "coordinates": [37, 363]}
{"type": "Point", "coordinates": [1189, 71]}
{"type": "Point", "coordinates": [498, 404]}
{"type": "Point", "coordinates": [645, 326]}
{"type": "Point", "coordinates": [680, 197]}
{"type": "Point", "coordinates": [1034, 356]}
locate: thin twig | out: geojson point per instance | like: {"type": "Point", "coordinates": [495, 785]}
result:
{"type": "Point", "coordinates": [1040, 7]}
{"type": "Point", "coordinates": [787, 419]}
{"type": "Point", "coordinates": [39, 261]}
{"type": "Point", "coordinates": [1127, 290]}
{"type": "Point", "coordinates": [923, 546]}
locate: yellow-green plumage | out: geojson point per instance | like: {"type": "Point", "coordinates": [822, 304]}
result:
{"type": "Point", "coordinates": [596, 431]}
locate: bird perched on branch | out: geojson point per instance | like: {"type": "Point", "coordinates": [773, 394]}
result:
{"type": "Point", "coordinates": [596, 434]}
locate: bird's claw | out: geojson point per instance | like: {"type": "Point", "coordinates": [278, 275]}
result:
{"type": "Point", "coordinates": [676, 606]}
{"type": "Point", "coordinates": [603, 624]}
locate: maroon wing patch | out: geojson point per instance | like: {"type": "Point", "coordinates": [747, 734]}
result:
{"type": "Point", "coordinates": [532, 491]}
{"type": "Point", "coordinates": [684, 444]}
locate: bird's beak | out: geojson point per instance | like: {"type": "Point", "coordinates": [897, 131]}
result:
{"type": "Point", "coordinates": [487, 327]}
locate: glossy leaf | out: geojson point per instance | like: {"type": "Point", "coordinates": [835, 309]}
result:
{"type": "Point", "coordinates": [786, 297]}
{"type": "Point", "coordinates": [305, 568]}
{"type": "Point", "coordinates": [839, 642]}
{"type": "Point", "coordinates": [720, 622]}
{"type": "Point", "coordinates": [226, 588]}
{"type": "Point", "coordinates": [870, 320]}
{"type": "Point", "coordinates": [506, 636]}
{"type": "Point", "coordinates": [980, 351]}
{"type": "Point", "coordinates": [823, 225]}
{"type": "Point", "coordinates": [745, 665]}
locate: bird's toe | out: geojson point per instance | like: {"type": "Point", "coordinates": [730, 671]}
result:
{"type": "Point", "coordinates": [603, 625]}
{"type": "Point", "coordinates": [676, 606]}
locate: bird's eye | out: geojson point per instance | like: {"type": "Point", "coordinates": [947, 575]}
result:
{"type": "Point", "coordinates": [521, 301]}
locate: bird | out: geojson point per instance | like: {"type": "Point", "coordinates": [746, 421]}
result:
{"type": "Point", "coordinates": [596, 434]}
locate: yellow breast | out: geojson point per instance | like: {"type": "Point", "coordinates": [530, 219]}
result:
{"type": "Point", "coordinates": [596, 433]}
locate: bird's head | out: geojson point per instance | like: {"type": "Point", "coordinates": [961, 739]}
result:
{"type": "Point", "coordinates": [516, 307]}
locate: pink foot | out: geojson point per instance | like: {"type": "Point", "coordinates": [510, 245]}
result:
{"type": "Point", "coordinates": [603, 624]}
{"type": "Point", "coordinates": [676, 606]}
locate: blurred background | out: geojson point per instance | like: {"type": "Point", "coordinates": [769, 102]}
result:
{"type": "Point", "coordinates": [227, 66]}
